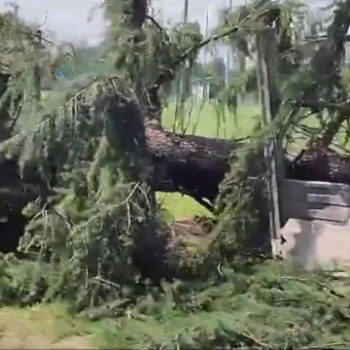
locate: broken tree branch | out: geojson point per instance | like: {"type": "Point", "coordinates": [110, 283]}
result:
{"type": "Point", "coordinates": [168, 73]}
{"type": "Point", "coordinates": [317, 106]}
{"type": "Point", "coordinates": [159, 27]}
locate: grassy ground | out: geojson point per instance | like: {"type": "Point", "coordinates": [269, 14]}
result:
{"type": "Point", "coordinates": [204, 121]}
{"type": "Point", "coordinates": [41, 327]}
{"type": "Point", "coordinates": [179, 206]}
{"type": "Point", "coordinates": [269, 305]}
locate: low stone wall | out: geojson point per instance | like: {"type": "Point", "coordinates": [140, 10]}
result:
{"type": "Point", "coordinates": [311, 200]}
{"type": "Point", "coordinates": [317, 229]}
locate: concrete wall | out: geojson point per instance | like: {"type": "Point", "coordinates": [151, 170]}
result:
{"type": "Point", "coordinates": [317, 230]}
{"type": "Point", "coordinates": [312, 200]}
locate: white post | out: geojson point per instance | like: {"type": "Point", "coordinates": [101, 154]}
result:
{"type": "Point", "coordinates": [228, 58]}
{"type": "Point", "coordinates": [186, 11]}
{"type": "Point", "coordinates": [267, 74]}
{"type": "Point", "coordinates": [205, 83]}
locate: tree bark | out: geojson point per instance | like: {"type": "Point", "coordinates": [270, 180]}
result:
{"type": "Point", "coordinates": [320, 164]}
{"type": "Point", "coordinates": [188, 164]}
{"type": "Point", "coordinates": [192, 165]}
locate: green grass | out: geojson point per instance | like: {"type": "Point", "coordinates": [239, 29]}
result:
{"type": "Point", "coordinates": [271, 302]}
{"type": "Point", "coordinates": [204, 115]}
{"type": "Point", "coordinates": [180, 207]}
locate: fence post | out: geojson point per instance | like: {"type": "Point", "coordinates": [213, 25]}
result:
{"type": "Point", "coordinates": [269, 99]}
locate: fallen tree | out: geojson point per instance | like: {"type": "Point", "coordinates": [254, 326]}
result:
{"type": "Point", "coordinates": [195, 166]}
{"type": "Point", "coordinates": [185, 163]}
{"type": "Point", "coordinates": [189, 164]}
{"type": "Point", "coordinates": [321, 164]}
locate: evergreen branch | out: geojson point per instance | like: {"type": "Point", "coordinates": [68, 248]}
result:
{"type": "Point", "coordinates": [37, 36]}
{"type": "Point", "coordinates": [108, 283]}
{"type": "Point", "coordinates": [320, 105]}
{"type": "Point", "coordinates": [87, 86]}
{"type": "Point", "coordinates": [167, 74]}
{"type": "Point", "coordinates": [207, 41]}
{"type": "Point", "coordinates": [217, 37]}
{"type": "Point", "coordinates": [155, 23]}
{"type": "Point", "coordinates": [80, 91]}
{"type": "Point", "coordinates": [327, 346]}
{"type": "Point", "coordinates": [16, 117]}
{"type": "Point", "coordinates": [159, 27]}
{"type": "Point", "coordinates": [250, 336]}
{"type": "Point", "coordinates": [320, 284]}
{"type": "Point", "coordinates": [110, 208]}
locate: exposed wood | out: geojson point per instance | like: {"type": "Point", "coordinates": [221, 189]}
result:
{"type": "Point", "coordinates": [196, 165]}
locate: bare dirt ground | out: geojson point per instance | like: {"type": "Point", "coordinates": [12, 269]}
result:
{"type": "Point", "coordinates": [192, 233]}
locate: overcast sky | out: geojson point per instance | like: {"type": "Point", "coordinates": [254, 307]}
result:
{"type": "Point", "coordinates": [69, 18]}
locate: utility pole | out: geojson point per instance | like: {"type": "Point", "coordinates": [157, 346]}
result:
{"type": "Point", "coordinates": [269, 97]}
{"type": "Point", "coordinates": [205, 82]}
{"type": "Point", "coordinates": [186, 79]}
{"type": "Point", "coordinates": [186, 11]}
{"type": "Point", "coordinates": [15, 7]}
{"type": "Point", "coordinates": [228, 58]}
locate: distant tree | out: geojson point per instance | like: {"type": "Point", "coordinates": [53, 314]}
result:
{"type": "Point", "coordinates": [217, 74]}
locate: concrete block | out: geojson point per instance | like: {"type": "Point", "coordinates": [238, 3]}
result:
{"type": "Point", "coordinates": [315, 244]}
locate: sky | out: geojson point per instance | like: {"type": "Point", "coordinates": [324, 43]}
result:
{"type": "Point", "coordinates": [68, 19]}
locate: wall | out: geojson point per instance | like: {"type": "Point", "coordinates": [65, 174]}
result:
{"type": "Point", "coordinates": [317, 216]}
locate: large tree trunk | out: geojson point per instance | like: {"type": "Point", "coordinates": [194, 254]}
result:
{"type": "Point", "coordinates": [320, 165]}
{"type": "Point", "coordinates": [189, 164]}
{"type": "Point", "coordinates": [192, 165]}
{"type": "Point", "coordinates": [14, 196]}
